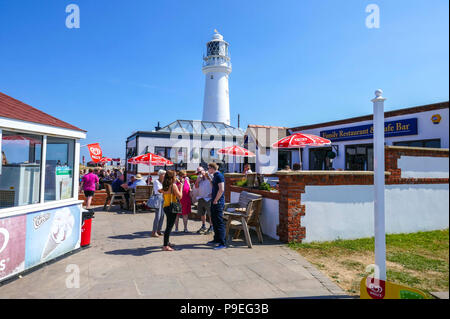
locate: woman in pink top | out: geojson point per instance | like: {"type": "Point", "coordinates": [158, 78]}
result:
{"type": "Point", "coordinates": [88, 185]}
{"type": "Point", "coordinates": [185, 201]}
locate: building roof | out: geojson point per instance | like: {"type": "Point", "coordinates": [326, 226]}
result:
{"type": "Point", "coordinates": [197, 128]}
{"type": "Point", "coordinates": [267, 126]}
{"type": "Point", "coordinates": [14, 109]}
{"type": "Point", "coordinates": [410, 110]}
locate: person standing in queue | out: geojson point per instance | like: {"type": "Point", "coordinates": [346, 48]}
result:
{"type": "Point", "coordinates": [159, 214]}
{"type": "Point", "coordinates": [185, 202]}
{"type": "Point", "coordinates": [88, 184]}
{"type": "Point", "coordinates": [217, 205]}
{"type": "Point", "coordinates": [171, 193]}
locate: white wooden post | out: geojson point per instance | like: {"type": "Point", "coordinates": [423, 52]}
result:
{"type": "Point", "coordinates": [378, 145]}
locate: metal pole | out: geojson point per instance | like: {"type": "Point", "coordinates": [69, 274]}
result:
{"type": "Point", "coordinates": [378, 144]}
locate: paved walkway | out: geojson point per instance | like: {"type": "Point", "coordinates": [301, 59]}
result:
{"type": "Point", "coordinates": [125, 262]}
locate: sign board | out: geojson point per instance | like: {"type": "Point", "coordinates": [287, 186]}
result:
{"type": "Point", "coordinates": [380, 289]}
{"type": "Point", "coordinates": [12, 245]}
{"type": "Point", "coordinates": [52, 233]}
{"type": "Point", "coordinates": [360, 132]}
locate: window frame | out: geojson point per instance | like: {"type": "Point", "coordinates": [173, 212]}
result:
{"type": "Point", "coordinates": [25, 209]}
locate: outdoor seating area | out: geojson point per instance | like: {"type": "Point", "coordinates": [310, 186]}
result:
{"type": "Point", "coordinates": [244, 215]}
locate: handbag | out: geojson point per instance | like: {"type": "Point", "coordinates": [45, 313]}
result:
{"type": "Point", "coordinates": [154, 201]}
{"type": "Point", "coordinates": [175, 207]}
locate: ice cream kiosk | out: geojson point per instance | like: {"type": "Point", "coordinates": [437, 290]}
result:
{"type": "Point", "coordinates": [40, 214]}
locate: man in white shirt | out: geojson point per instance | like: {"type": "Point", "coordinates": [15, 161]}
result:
{"type": "Point", "coordinates": [204, 186]}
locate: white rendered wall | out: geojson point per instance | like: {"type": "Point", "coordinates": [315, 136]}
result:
{"type": "Point", "coordinates": [331, 213]}
{"type": "Point", "coordinates": [423, 167]}
{"type": "Point", "coordinates": [426, 130]}
{"type": "Point", "coordinates": [269, 215]}
{"type": "Point", "coordinates": [216, 105]}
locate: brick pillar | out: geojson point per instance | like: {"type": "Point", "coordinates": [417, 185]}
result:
{"type": "Point", "coordinates": [290, 209]}
{"type": "Point", "coordinates": [391, 157]}
{"type": "Point", "coordinates": [231, 179]}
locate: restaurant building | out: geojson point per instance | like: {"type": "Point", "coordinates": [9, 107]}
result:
{"type": "Point", "coordinates": [40, 214]}
{"type": "Point", "coordinates": [352, 138]}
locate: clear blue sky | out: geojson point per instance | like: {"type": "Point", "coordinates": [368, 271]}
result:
{"type": "Point", "coordinates": [133, 63]}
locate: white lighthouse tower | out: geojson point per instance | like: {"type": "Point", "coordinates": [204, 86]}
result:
{"type": "Point", "coordinates": [217, 68]}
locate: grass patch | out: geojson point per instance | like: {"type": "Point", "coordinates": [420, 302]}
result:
{"type": "Point", "coordinates": [402, 278]}
{"type": "Point", "coordinates": [419, 260]}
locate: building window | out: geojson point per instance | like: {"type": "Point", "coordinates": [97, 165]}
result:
{"type": "Point", "coordinates": [20, 171]}
{"type": "Point", "coordinates": [212, 77]}
{"type": "Point", "coordinates": [59, 167]}
{"type": "Point", "coordinates": [284, 159]}
{"type": "Point", "coordinates": [433, 143]}
{"type": "Point", "coordinates": [359, 157]}
{"type": "Point", "coordinates": [321, 159]}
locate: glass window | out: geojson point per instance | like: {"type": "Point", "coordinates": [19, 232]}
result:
{"type": "Point", "coordinates": [434, 143]}
{"type": "Point", "coordinates": [320, 159]}
{"type": "Point", "coordinates": [359, 157]}
{"type": "Point", "coordinates": [59, 168]}
{"type": "Point", "coordinates": [20, 173]}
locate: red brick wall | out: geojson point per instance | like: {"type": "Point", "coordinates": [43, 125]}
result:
{"type": "Point", "coordinates": [393, 153]}
{"type": "Point", "coordinates": [292, 186]}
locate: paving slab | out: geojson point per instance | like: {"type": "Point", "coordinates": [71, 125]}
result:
{"type": "Point", "coordinates": [123, 261]}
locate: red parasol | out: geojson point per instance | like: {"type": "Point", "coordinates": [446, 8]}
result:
{"type": "Point", "coordinates": [105, 159]}
{"type": "Point", "coordinates": [33, 141]}
{"type": "Point", "coordinates": [150, 159]}
{"type": "Point", "coordinates": [236, 151]}
{"type": "Point", "coordinates": [299, 140]}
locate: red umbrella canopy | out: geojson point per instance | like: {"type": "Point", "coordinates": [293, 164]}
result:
{"type": "Point", "coordinates": [236, 151]}
{"type": "Point", "coordinates": [301, 140]}
{"type": "Point", "coordinates": [105, 159]}
{"type": "Point", "coordinates": [15, 138]}
{"type": "Point", "coordinates": [150, 159]}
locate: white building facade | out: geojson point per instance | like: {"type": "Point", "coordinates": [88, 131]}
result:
{"type": "Point", "coordinates": [352, 139]}
{"type": "Point", "coordinates": [186, 143]}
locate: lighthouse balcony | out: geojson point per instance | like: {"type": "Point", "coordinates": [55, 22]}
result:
{"type": "Point", "coordinates": [217, 61]}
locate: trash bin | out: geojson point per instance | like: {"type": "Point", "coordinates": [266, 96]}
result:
{"type": "Point", "coordinates": [86, 227]}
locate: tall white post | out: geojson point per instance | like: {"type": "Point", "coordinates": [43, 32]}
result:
{"type": "Point", "coordinates": [378, 145]}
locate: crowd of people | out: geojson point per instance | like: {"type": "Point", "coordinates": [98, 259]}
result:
{"type": "Point", "coordinates": [172, 198]}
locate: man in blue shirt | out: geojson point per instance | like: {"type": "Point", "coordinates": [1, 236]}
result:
{"type": "Point", "coordinates": [217, 205]}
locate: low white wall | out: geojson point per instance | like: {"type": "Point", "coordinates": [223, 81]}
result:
{"type": "Point", "coordinates": [423, 167]}
{"type": "Point", "coordinates": [346, 211]}
{"type": "Point", "coordinates": [269, 215]}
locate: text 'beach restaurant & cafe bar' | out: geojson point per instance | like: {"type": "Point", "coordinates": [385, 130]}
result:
{"type": "Point", "coordinates": [40, 214]}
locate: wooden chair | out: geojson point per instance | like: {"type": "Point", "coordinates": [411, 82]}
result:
{"type": "Point", "coordinates": [141, 195]}
{"type": "Point", "coordinates": [112, 196]}
{"type": "Point", "coordinates": [244, 215]}
{"type": "Point", "coordinates": [251, 179]}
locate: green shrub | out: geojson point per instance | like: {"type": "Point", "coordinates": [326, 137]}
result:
{"type": "Point", "coordinates": [265, 187]}
{"type": "Point", "coordinates": [242, 183]}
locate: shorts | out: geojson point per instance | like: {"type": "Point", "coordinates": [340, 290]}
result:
{"type": "Point", "coordinates": [204, 207]}
{"type": "Point", "coordinates": [89, 193]}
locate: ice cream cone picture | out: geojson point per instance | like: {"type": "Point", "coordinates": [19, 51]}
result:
{"type": "Point", "coordinates": [61, 230]}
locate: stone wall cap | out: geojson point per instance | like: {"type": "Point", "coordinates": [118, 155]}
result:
{"type": "Point", "coordinates": [409, 148]}
{"type": "Point", "coordinates": [233, 175]}
{"type": "Point", "coordinates": [332, 173]}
